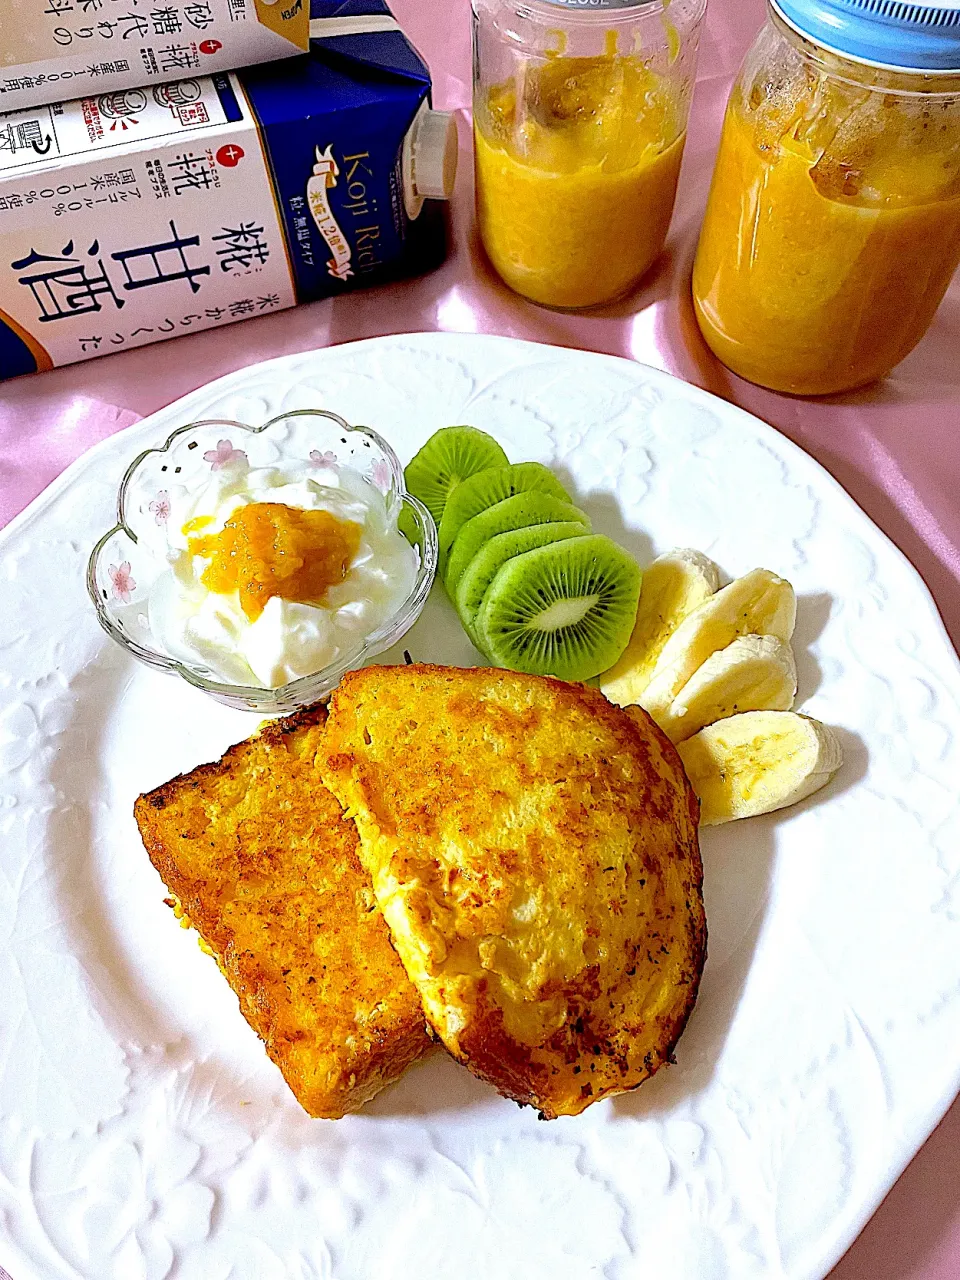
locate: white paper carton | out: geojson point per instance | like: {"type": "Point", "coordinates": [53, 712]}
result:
{"type": "Point", "coordinates": [121, 245]}
{"type": "Point", "coordinates": [55, 49]}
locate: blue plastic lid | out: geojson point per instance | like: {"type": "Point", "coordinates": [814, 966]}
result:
{"type": "Point", "coordinates": [911, 35]}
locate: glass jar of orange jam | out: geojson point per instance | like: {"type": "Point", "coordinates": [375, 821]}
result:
{"type": "Point", "coordinates": [833, 224]}
{"type": "Point", "coordinates": [580, 113]}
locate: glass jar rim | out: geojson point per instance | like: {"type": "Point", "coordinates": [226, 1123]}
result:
{"type": "Point", "coordinates": [550, 12]}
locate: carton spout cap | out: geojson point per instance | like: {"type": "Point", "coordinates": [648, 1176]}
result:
{"type": "Point", "coordinates": [431, 158]}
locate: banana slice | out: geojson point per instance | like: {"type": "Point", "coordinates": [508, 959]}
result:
{"type": "Point", "coordinates": [754, 673]}
{"type": "Point", "coordinates": [759, 603]}
{"type": "Point", "coordinates": [757, 762]}
{"type": "Point", "coordinates": [672, 587]}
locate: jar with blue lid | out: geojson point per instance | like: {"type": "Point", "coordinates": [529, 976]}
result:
{"type": "Point", "coordinates": [832, 229]}
{"type": "Point", "coordinates": [580, 115]}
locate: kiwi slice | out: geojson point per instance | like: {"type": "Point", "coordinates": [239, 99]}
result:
{"type": "Point", "coordinates": [482, 569]}
{"type": "Point", "coordinates": [512, 513]}
{"type": "Point", "coordinates": [566, 609]}
{"type": "Point", "coordinates": [489, 487]}
{"type": "Point", "coordinates": [450, 456]}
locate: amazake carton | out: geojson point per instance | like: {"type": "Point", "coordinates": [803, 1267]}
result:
{"type": "Point", "coordinates": [147, 214]}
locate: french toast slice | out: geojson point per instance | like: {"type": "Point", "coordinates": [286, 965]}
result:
{"type": "Point", "coordinates": [263, 864]}
{"type": "Point", "coordinates": [534, 851]}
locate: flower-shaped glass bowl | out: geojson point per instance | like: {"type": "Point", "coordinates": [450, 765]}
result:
{"type": "Point", "coordinates": [129, 559]}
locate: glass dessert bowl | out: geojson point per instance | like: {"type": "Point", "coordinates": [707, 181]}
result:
{"type": "Point", "coordinates": [218, 497]}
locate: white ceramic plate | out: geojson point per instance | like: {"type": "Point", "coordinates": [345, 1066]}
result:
{"type": "Point", "coordinates": [143, 1131]}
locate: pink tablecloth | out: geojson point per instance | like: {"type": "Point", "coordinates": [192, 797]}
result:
{"type": "Point", "coordinates": [893, 446]}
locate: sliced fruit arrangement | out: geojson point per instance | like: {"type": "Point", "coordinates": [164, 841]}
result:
{"type": "Point", "coordinates": [537, 591]}
{"type": "Point", "coordinates": [715, 669]}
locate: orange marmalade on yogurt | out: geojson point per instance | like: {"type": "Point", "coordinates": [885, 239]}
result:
{"type": "Point", "coordinates": [576, 166]}
{"type": "Point", "coordinates": [833, 224]}
{"type": "Point", "coordinates": [268, 549]}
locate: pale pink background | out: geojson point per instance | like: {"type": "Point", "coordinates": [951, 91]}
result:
{"type": "Point", "coordinates": [894, 447]}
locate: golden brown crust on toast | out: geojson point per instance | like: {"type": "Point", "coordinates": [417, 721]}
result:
{"type": "Point", "coordinates": [534, 850]}
{"type": "Point", "coordinates": [261, 860]}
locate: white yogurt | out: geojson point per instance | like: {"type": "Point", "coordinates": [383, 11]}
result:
{"type": "Point", "coordinates": [288, 640]}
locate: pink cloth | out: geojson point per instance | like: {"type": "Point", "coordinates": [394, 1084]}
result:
{"type": "Point", "coordinates": [891, 446]}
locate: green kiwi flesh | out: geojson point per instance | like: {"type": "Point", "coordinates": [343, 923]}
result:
{"type": "Point", "coordinates": [450, 456]}
{"type": "Point", "coordinates": [566, 609]}
{"type": "Point", "coordinates": [512, 513]}
{"type": "Point", "coordinates": [483, 568]}
{"type": "Point", "coordinates": [487, 488]}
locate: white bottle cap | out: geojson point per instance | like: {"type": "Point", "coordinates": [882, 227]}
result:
{"type": "Point", "coordinates": [429, 159]}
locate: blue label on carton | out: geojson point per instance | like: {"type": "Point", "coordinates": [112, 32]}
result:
{"type": "Point", "coordinates": [333, 125]}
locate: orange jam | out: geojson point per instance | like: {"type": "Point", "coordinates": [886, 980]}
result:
{"type": "Point", "coordinates": [576, 177]}
{"type": "Point", "coordinates": [269, 549]}
{"type": "Point", "coordinates": [831, 233]}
